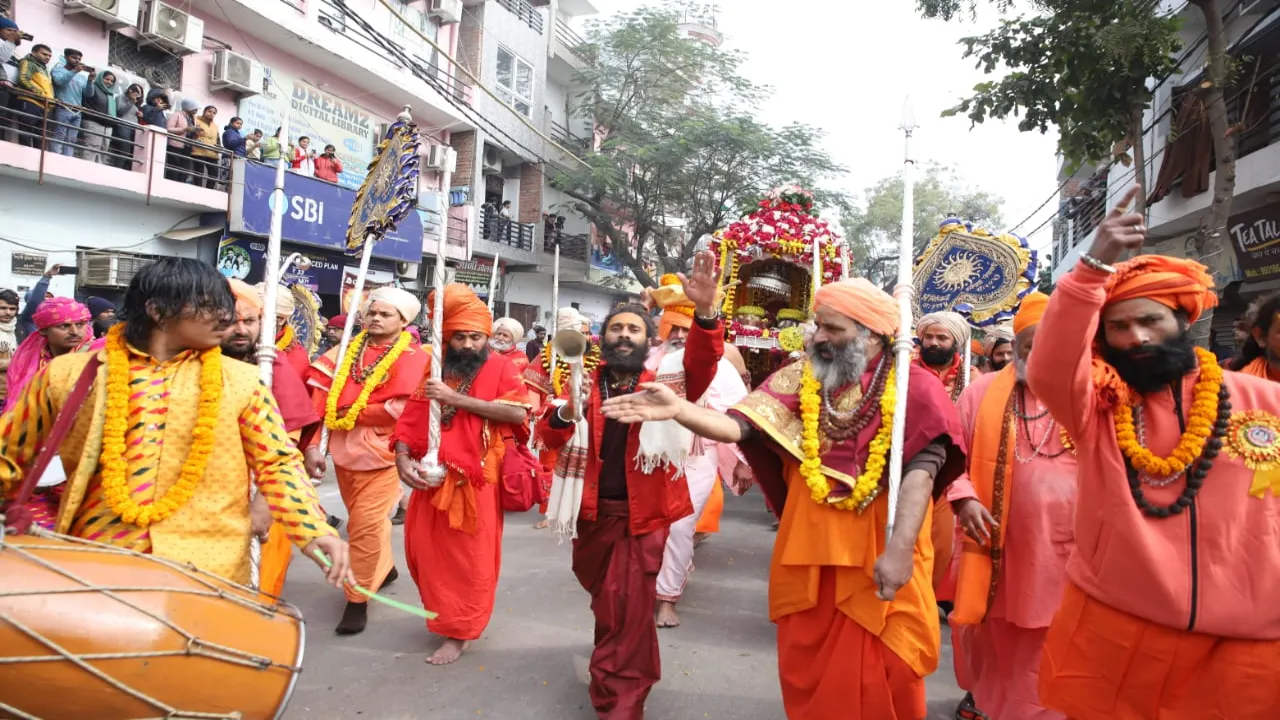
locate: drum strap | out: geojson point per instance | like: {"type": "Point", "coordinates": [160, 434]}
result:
{"type": "Point", "coordinates": [17, 515]}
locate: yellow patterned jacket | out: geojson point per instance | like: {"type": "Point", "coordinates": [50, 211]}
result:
{"type": "Point", "coordinates": [210, 531]}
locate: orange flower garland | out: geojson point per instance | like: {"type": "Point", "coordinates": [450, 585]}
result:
{"type": "Point", "coordinates": [286, 338]}
{"type": "Point", "coordinates": [115, 465]}
{"type": "Point", "coordinates": [1200, 419]}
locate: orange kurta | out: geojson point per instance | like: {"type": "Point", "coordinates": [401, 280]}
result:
{"type": "Point", "coordinates": [709, 520]}
{"type": "Point", "coordinates": [942, 527]}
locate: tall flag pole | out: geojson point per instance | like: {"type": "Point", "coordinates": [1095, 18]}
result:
{"type": "Point", "coordinates": [903, 294]}
{"type": "Point", "coordinates": [431, 467]}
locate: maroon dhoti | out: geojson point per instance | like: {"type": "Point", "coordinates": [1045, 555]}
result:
{"type": "Point", "coordinates": [620, 570]}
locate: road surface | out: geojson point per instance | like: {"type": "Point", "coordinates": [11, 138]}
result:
{"type": "Point", "coordinates": [531, 663]}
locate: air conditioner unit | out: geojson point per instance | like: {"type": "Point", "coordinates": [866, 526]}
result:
{"type": "Point", "coordinates": [236, 72]}
{"type": "Point", "coordinates": [115, 13]}
{"type": "Point", "coordinates": [109, 271]}
{"type": "Point", "coordinates": [491, 163]}
{"type": "Point", "coordinates": [171, 28]}
{"type": "Point", "coordinates": [443, 158]}
{"type": "Point", "coordinates": [447, 12]}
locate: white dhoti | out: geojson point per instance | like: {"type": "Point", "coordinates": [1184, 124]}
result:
{"type": "Point", "coordinates": [677, 559]}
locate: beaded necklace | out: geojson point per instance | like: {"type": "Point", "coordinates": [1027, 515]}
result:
{"type": "Point", "coordinates": [1195, 473]}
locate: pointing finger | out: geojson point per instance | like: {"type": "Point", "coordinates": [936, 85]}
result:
{"type": "Point", "coordinates": [1127, 201]}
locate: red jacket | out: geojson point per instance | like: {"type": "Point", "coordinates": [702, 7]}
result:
{"type": "Point", "coordinates": [327, 169]}
{"type": "Point", "coordinates": [655, 499]}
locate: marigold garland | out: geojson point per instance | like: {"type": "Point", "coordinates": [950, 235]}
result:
{"type": "Point", "coordinates": [877, 456]}
{"type": "Point", "coordinates": [376, 377]}
{"type": "Point", "coordinates": [115, 465]}
{"type": "Point", "coordinates": [590, 362]}
{"type": "Point", "coordinates": [286, 338]}
{"type": "Point", "coordinates": [1200, 420]}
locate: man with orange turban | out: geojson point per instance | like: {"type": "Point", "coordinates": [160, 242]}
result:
{"type": "Point", "coordinates": [360, 397]}
{"type": "Point", "coordinates": [857, 626]}
{"type": "Point", "coordinates": [1170, 607]}
{"type": "Point", "coordinates": [453, 529]}
{"type": "Point", "coordinates": [1009, 571]}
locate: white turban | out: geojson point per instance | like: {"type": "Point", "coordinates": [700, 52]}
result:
{"type": "Point", "coordinates": [402, 300]}
{"type": "Point", "coordinates": [570, 319]}
{"type": "Point", "coordinates": [995, 335]}
{"type": "Point", "coordinates": [512, 325]}
{"type": "Point", "coordinates": [953, 322]}
{"type": "Point", "coordinates": [284, 299]}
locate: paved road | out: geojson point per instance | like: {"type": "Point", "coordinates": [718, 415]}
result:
{"type": "Point", "coordinates": [531, 663]}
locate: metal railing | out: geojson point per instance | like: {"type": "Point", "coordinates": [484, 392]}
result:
{"type": "Point", "coordinates": [496, 228]}
{"type": "Point", "coordinates": [56, 128]}
{"type": "Point", "coordinates": [561, 134]}
{"type": "Point", "coordinates": [571, 39]}
{"type": "Point", "coordinates": [573, 247]}
{"type": "Point", "coordinates": [523, 10]}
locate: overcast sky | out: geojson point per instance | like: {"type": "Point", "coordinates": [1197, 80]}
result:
{"type": "Point", "coordinates": [847, 67]}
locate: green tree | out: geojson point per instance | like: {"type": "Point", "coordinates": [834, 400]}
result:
{"type": "Point", "coordinates": [680, 153]}
{"type": "Point", "coordinates": [874, 230]}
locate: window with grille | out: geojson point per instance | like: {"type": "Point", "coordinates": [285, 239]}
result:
{"type": "Point", "coordinates": [515, 81]}
{"type": "Point", "coordinates": [159, 68]}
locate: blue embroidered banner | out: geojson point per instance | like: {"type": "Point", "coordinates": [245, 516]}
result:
{"type": "Point", "coordinates": [970, 271]}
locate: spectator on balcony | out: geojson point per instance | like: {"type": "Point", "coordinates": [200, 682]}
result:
{"type": "Point", "coordinates": [253, 145]}
{"type": "Point", "coordinates": [271, 147]}
{"type": "Point", "coordinates": [101, 110]}
{"type": "Point", "coordinates": [204, 157]}
{"type": "Point", "coordinates": [182, 126]}
{"type": "Point", "coordinates": [35, 80]}
{"type": "Point", "coordinates": [131, 113]}
{"type": "Point", "coordinates": [70, 78]}
{"type": "Point", "coordinates": [233, 139]}
{"type": "Point", "coordinates": [328, 166]}
{"type": "Point", "coordinates": [304, 157]}
{"type": "Point", "coordinates": [155, 111]}
{"type": "Point", "coordinates": [10, 36]}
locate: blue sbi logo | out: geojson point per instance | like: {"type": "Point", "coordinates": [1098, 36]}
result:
{"type": "Point", "coordinates": [300, 208]}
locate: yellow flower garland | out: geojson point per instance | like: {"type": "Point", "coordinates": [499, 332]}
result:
{"type": "Point", "coordinates": [1204, 411]}
{"type": "Point", "coordinates": [115, 465]}
{"type": "Point", "coordinates": [376, 378]}
{"type": "Point", "coordinates": [729, 264]}
{"type": "Point", "coordinates": [286, 338]}
{"type": "Point", "coordinates": [877, 456]}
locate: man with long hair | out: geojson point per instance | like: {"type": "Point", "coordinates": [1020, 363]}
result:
{"type": "Point", "coordinates": [1170, 607]}
{"type": "Point", "coordinates": [1260, 355]}
{"type": "Point", "coordinates": [618, 489]}
{"type": "Point", "coordinates": [453, 531]}
{"type": "Point", "coordinates": [857, 627]}
{"type": "Point", "coordinates": [175, 484]}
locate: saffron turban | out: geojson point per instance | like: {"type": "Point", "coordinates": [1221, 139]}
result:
{"type": "Point", "coordinates": [248, 301]}
{"type": "Point", "coordinates": [952, 322]}
{"type": "Point", "coordinates": [1176, 283]}
{"type": "Point", "coordinates": [976, 348]}
{"type": "Point", "coordinates": [677, 308]}
{"type": "Point", "coordinates": [860, 300]}
{"type": "Point", "coordinates": [512, 326]}
{"type": "Point", "coordinates": [463, 311]}
{"type": "Point", "coordinates": [58, 311]}
{"type": "Point", "coordinates": [402, 300]}
{"type": "Point", "coordinates": [284, 299]}
{"type": "Point", "coordinates": [1030, 312]}
{"type": "Point", "coordinates": [995, 335]}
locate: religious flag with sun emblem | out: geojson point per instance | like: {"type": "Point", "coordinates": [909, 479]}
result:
{"type": "Point", "coordinates": [973, 272]}
{"type": "Point", "coordinates": [390, 190]}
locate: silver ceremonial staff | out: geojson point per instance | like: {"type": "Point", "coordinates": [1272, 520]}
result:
{"type": "Point", "coordinates": [903, 294]}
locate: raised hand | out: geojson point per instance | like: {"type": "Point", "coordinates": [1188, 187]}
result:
{"type": "Point", "coordinates": [655, 401]}
{"type": "Point", "coordinates": [700, 286]}
{"type": "Point", "coordinates": [1120, 231]}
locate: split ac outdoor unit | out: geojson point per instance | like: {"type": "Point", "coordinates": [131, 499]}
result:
{"type": "Point", "coordinates": [447, 12]}
{"type": "Point", "coordinates": [109, 271]}
{"type": "Point", "coordinates": [442, 157]}
{"type": "Point", "coordinates": [115, 13]}
{"type": "Point", "coordinates": [491, 163]}
{"type": "Point", "coordinates": [171, 28]}
{"type": "Point", "coordinates": [236, 72]}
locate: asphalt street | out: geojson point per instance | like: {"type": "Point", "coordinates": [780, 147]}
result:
{"type": "Point", "coordinates": [531, 663]}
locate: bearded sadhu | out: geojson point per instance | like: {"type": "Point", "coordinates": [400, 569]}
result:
{"type": "Point", "coordinates": [1170, 608]}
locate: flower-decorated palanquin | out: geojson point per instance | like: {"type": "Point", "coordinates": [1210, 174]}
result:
{"type": "Point", "coordinates": [767, 266]}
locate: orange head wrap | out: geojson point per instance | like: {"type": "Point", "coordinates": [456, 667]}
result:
{"type": "Point", "coordinates": [861, 300]}
{"type": "Point", "coordinates": [976, 347]}
{"type": "Point", "coordinates": [1030, 312]}
{"type": "Point", "coordinates": [248, 301]}
{"type": "Point", "coordinates": [463, 311]}
{"type": "Point", "coordinates": [1173, 282]}
{"type": "Point", "coordinates": [677, 309]}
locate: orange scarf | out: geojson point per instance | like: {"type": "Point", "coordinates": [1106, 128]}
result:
{"type": "Point", "coordinates": [991, 472]}
{"type": "Point", "coordinates": [1259, 367]}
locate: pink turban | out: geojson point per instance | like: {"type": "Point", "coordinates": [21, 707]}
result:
{"type": "Point", "coordinates": [860, 300]}
{"type": "Point", "coordinates": [33, 353]}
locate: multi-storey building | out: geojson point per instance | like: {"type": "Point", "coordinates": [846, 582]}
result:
{"type": "Point", "coordinates": [1178, 146]}
{"type": "Point", "coordinates": [341, 70]}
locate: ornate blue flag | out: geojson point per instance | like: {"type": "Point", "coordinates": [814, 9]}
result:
{"type": "Point", "coordinates": [973, 272]}
{"type": "Point", "coordinates": [390, 191]}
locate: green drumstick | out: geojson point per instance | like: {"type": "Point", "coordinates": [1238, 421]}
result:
{"type": "Point", "coordinates": [420, 612]}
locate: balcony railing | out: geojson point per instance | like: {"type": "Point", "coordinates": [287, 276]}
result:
{"type": "Point", "coordinates": [561, 134]}
{"type": "Point", "coordinates": [573, 247]}
{"type": "Point", "coordinates": [524, 11]}
{"type": "Point", "coordinates": [50, 126]}
{"type": "Point", "coordinates": [496, 228]}
{"type": "Point", "coordinates": [571, 39]}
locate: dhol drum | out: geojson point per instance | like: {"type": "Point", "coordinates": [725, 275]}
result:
{"type": "Point", "coordinates": [93, 631]}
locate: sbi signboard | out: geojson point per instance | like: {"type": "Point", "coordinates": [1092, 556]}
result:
{"type": "Point", "coordinates": [316, 212]}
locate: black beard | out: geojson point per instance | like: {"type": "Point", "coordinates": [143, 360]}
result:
{"type": "Point", "coordinates": [100, 327]}
{"type": "Point", "coordinates": [617, 361]}
{"type": "Point", "coordinates": [998, 365]}
{"type": "Point", "coordinates": [937, 357]}
{"type": "Point", "coordinates": [464, 363]}
{"type": "Point", "coordinates": [248, 356]}
{"type": "Point", "coordinates": [1164, 363]}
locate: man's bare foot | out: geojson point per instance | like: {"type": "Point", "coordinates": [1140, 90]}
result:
{"type": "Point", "coordinates": [542, 525]}
{"type": "Point", "coordinates": [667, 617]}
{"type": "Point", "coordinates": [449, 651]}
{"type": "Point", "coordinates": [699, 538]}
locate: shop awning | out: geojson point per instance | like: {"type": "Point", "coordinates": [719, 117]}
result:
{"type": "Point", "coordinates": [185, 234]}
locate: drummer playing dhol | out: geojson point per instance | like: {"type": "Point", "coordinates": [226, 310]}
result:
{"type": "Point", "coordinates": [162, 462]}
